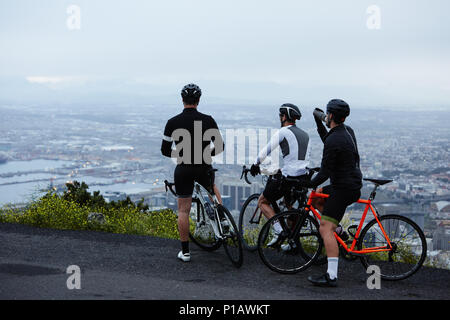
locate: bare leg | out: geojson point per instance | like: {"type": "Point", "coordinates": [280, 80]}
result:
{"type": "Point", "coordinates": [318, 203]}
{"type": "Point", "coordinates": [327, 232]}
{"type": "Point", "coordinates": [265, 207]}
{"type": "Point", "coordinates": [184, 208]}
{"type": "Point", "coordinates": [217, 193]}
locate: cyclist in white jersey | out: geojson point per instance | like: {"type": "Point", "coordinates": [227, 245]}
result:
{"type": "Point", "coordinates": [294, 144]}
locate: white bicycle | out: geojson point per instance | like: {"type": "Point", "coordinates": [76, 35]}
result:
{"type": "Point", "coordinates": [211, 224]}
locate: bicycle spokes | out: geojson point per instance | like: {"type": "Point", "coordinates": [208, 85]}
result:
{"type": "Point", "coordinates": [251, 221]}
{"type": "Point", "coordinates": [398, 247]}
{"type": "Point", "coordinates": [296, 247]}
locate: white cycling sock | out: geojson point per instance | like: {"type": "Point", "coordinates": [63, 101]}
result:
{"type": "Point", "coordinates": [332, 267]}
{"type": "Point", "coordinates": [277, 227]}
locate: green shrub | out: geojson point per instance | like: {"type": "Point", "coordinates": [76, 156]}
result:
{"type": "Point", "coordinates": [77, 192]}
{"type": "Point", "coordinates": [71, 210]}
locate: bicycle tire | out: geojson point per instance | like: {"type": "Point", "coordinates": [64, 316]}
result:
{"type": "Point", "coordinates": [273, 257]}
{"type": "Point", "coordinates": [210, 244]}
{"type": "Point", "coordinates": [249, 231]}
{"type": "Point", "coordinates": [232, 242]}
{"type": "Point", "coordinates": [401, 250]}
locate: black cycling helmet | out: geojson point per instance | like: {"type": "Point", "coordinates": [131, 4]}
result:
{"type": "Point", "coordinates": [191, 91]}
{"type": "Point", "coordinates": [339, 108]}
{"type": "Point", "coordinates": [291, 111]}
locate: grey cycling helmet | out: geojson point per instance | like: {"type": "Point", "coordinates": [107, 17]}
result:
{"type": "Point", "coordinates": [339, 108]}
{"type": "Point", "coordinates": [191, 91]}
{"type": "Point", "coordinates": [291, 111]}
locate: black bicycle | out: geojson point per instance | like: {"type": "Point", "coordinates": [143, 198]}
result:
{"type": "Point", "coordinates": [299, 245]}
{"type": "Point", "coordinates": [251, 219]}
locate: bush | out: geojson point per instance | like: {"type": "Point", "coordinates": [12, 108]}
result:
{"type": "Point", "coordinates": [71, 210]}
{"type": "Point", "coordinates": [78, 193]}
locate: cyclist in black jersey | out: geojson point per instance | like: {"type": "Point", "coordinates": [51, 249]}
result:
{"type": "Point", "coordinates": [340, 163]}
{"type": "Point", "coordinates": [193, 133]}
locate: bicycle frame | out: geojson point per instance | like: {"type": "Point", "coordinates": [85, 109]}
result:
{"type": "Point", "coordinates": [216, 226]}
{"type": "Point", "coordinates": [275, 207]}
{"type": "Point", "coordinates": [368, 203]}
{"type": "Point", "coordinates": [218, 230]}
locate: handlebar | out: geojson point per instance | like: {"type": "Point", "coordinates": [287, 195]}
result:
{"type": "Point", "coordinates": [244, 173]}
{"type": "Point", "coordinates": [312, 170]}
{"type": "Point", "coordinates": [168, 186]}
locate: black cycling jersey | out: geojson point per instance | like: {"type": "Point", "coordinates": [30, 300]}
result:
{"type": "Point", "coordinates": [198, 127]}
{"type": "Point", "coordinates": [340, 160]}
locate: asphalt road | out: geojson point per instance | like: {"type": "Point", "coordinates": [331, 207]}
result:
{"type": "Point", "coordinates": [33, 264]}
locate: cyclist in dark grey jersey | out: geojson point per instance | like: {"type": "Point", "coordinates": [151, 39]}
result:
{"type": "Point", "coordinates": [294, 144]}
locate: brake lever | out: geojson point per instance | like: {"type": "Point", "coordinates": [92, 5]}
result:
{"type": "Point", "coordinates": [244, 168]}
{"type": "Point", "coordinates": [246, 178]}
{"type": "Point", "coordinates": [244, 173]}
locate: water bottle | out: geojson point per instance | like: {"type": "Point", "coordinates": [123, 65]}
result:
{"type": "Point", "coordinates": [209, 210]}
{"type": "Point", "coordinates": [319, 114]}
{"type": "Point", "coordinates": [341, 233]}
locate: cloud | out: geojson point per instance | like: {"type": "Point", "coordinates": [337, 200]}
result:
{"type": "Point", "coordinates": [58, 82]}
{"type": "Point", "coordinates": [46, 80]}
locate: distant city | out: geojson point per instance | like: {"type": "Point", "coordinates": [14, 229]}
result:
{"type": "Point", "coordinates": [116, 149]}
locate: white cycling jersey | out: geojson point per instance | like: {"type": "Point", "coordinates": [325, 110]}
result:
{"type": "Point", "coordinates": [294, 143]}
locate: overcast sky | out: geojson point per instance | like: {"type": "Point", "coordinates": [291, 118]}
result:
{"type": "Point", "coordinates": [247, 49]}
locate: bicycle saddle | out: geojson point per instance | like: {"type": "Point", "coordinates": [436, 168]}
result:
{"type": "Point", "coordinates": [379, 182]}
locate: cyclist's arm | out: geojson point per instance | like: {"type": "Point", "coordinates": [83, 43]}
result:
{"type": "Point", "coordinates": [267, 150]}
{"type": "Point", "coordinates": [321, 129]}
{"type": "Point", "coordinates": [167, 141]}
{"type": "Point", "coordinates": [353, 140]}
{"type": "Point", "coordinates": [217, 140]}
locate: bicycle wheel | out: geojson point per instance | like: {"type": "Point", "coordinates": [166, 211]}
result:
{"type": "Point", "coordinates": [298, 246]}
{"type": "Point", "coordinates": [200, 230]}
{"type": "Point", "coordinates": [251, 220]}
{"type": "Point", "coordinates": [409, 247]}
{"type": "Point", "coordinates": [232, 242]}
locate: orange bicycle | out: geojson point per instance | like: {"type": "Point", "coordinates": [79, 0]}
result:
{"type": "Point", "coordinates": [394, 243]}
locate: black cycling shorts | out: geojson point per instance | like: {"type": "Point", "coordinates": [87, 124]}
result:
{"type": "Point", "coordinates": [277, 187]}
{"type": "Point", "coordinates": [185, 175]}
{"type": "Point", "coordinates": [337, 202]}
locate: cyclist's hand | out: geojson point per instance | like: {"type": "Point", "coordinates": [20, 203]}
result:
{"type": "Point", "coordinates": [254, 170]}
{"type": "Point", "coordinates": [317, 114]}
